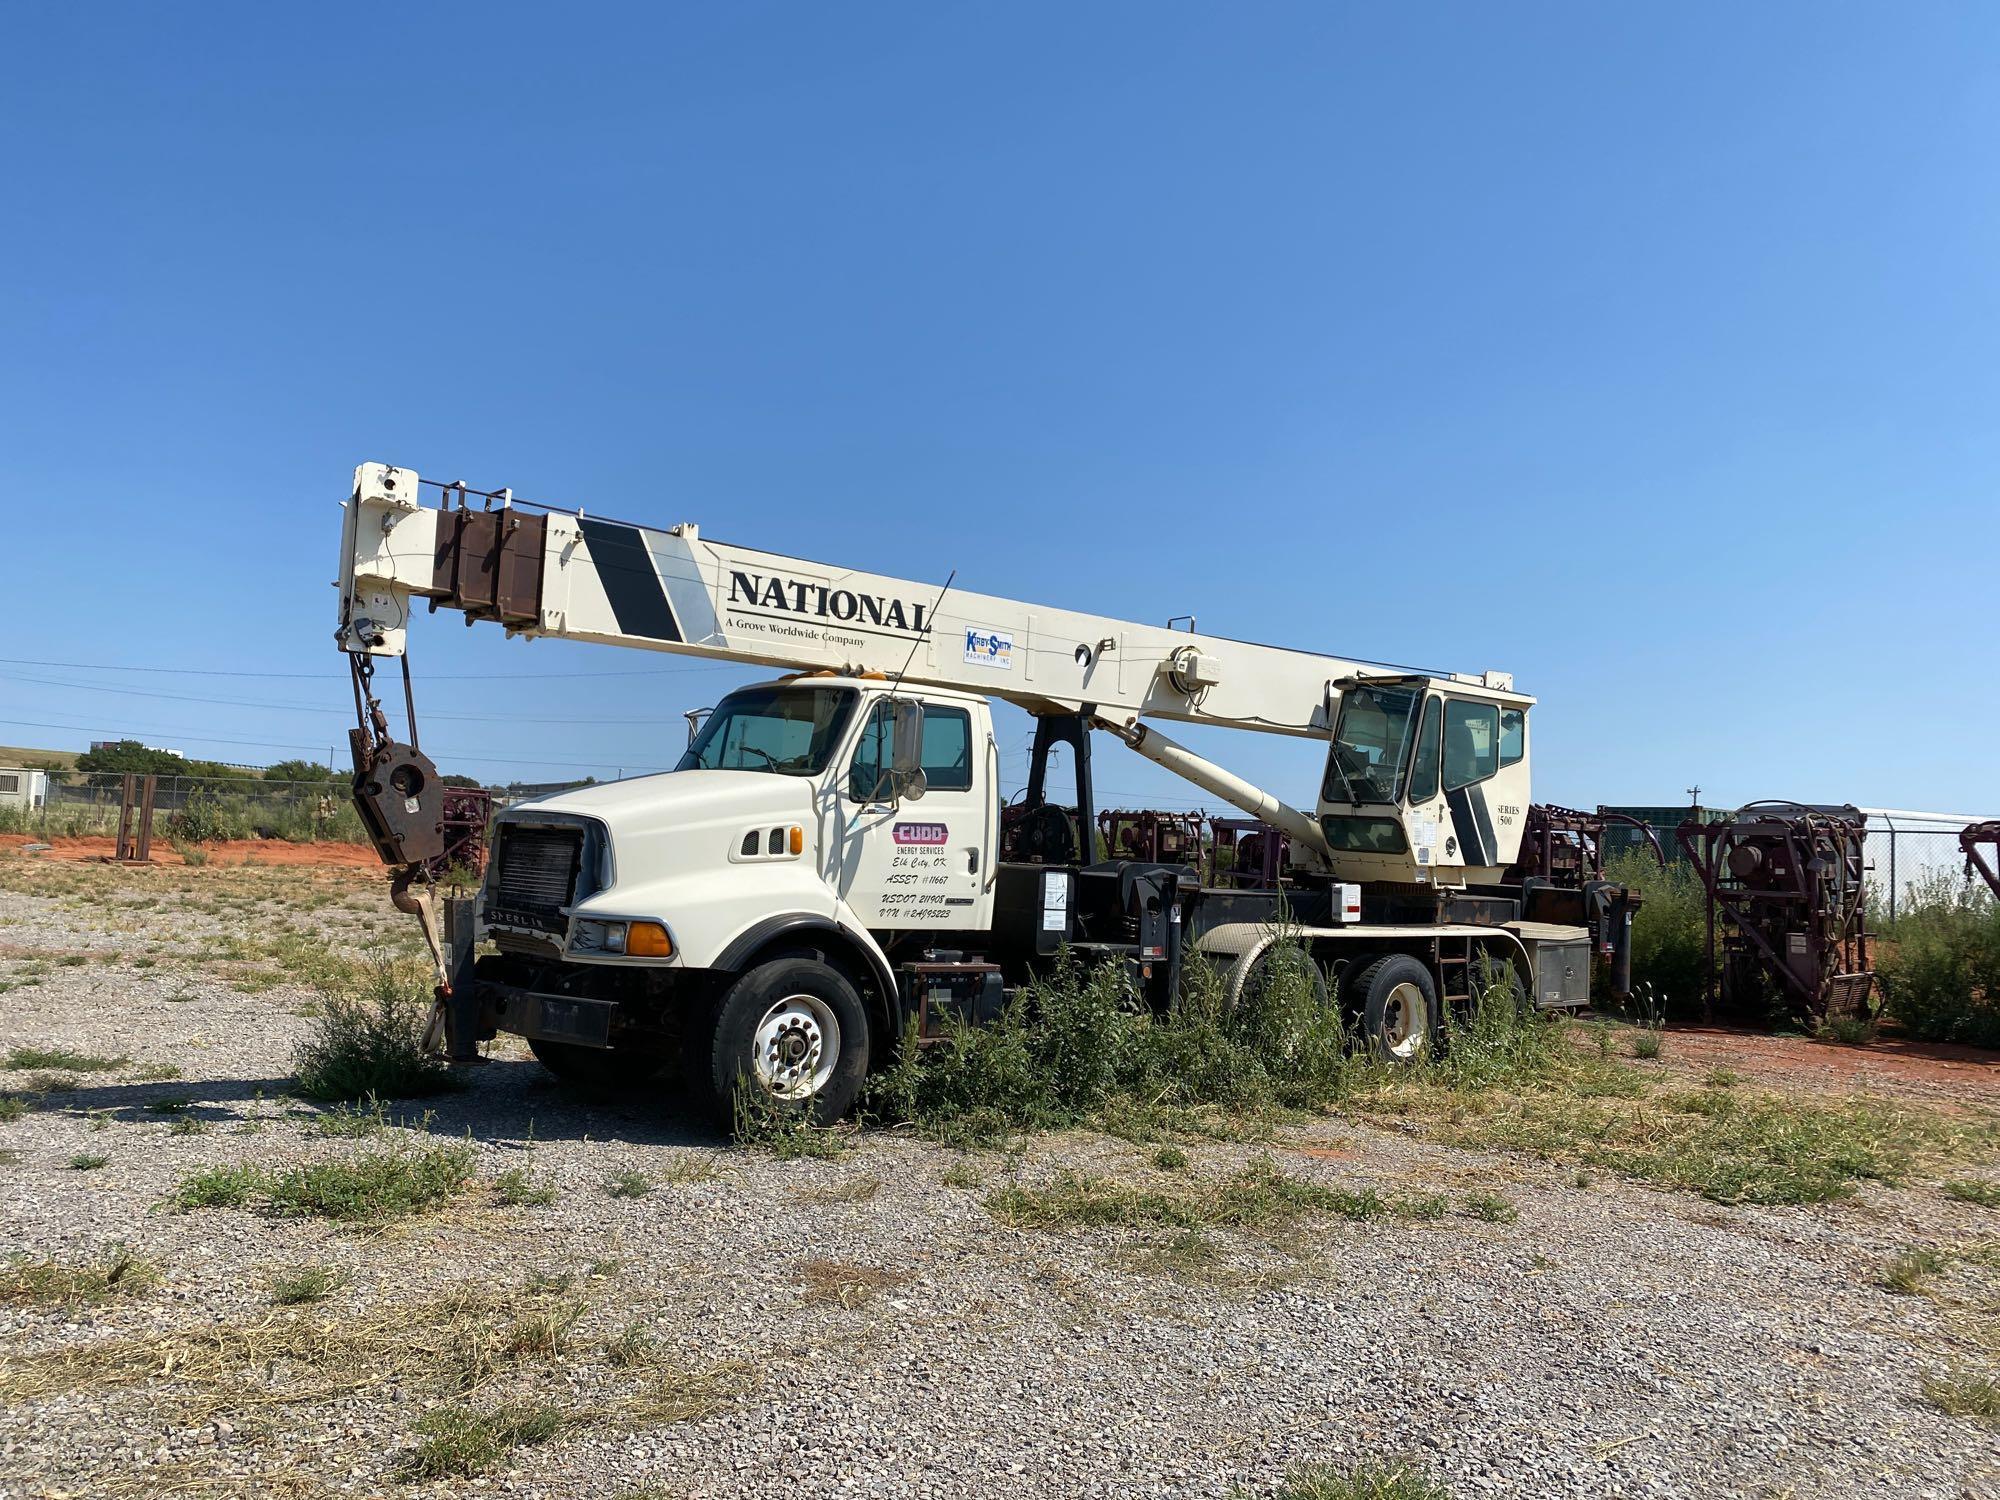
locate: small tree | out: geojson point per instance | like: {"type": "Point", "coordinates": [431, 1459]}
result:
{"type": "Point", "coordinates": [298, 770]}
{"type": "Point", "coordinates": [129, 757]}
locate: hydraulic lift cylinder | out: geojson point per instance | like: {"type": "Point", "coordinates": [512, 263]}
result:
{"type": "Point", "coordinates": [1230, 787]}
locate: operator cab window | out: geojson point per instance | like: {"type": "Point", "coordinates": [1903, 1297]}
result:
{"type": "Point", "coordinates": [1513, 735]}
{"type": "Point", "coordinates": [1365, 762]}
{"type": "Point", "coordinates": [1471, 742]}
{"type": "Point", "coordinates": [1424, 765]}
{"type": "Point", "coordinates": [946, 758]}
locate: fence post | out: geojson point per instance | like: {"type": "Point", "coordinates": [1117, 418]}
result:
{"type": "Point", "coordinates": [136, 798]}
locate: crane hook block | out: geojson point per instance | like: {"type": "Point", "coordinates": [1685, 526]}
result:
{"type": "Point", "coordinates": [400, 797]}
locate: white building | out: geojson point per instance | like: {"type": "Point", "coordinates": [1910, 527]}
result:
{"type": "Point", "coordinates": [23, 788]}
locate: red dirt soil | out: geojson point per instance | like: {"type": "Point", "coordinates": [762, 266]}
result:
{"type": "Point", "coordinates": [1888, 1065]}
{"type": "Point", "coordinates": [228, 852]}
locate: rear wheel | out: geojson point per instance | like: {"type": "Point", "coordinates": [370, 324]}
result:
{"type": "Point", "coordinates": [596, 1067]}
{"type": "Point", "coordinates": [794, 1030]}
{"type": "Point", "coordinates": [1399, 1008]}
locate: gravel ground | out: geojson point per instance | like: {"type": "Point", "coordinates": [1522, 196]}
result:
{"type": "Point", "coordinates": [873, 1330]}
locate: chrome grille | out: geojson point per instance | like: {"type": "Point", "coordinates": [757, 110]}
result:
{"type": "Point", "coordinates": [537, 872]}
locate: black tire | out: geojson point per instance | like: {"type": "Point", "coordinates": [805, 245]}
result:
{"type": "Point", "coordinates": [1397, 1009]}
{"type": "Point", "coordinates": [596, 1067]}
{"type": "Point", "coordinates": [806, 1071]}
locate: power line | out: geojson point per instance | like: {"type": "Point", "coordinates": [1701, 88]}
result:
{"type": "Point", "coordinates": [201, 736]}
{"type": "Point", "coordinates": [124, 691]}
{"type": "Point", "coordinates": [95, 666]}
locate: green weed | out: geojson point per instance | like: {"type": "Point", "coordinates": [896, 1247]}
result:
{"type": "Point", "coordinates": [65, 1058]}
{"type": "Point", "coordinates": [298, 1284]}
{"type": "Point", "coordinates": [1491, 1207]}
{"type": "Point", "coordinates": [629, 1183]}
{"type": "Point", "coordinates": [366, 1041]}
{"type": "Point", "coordinates": [1394, 1480]}
{"type": "Point", "coordinates": [458, 1442]}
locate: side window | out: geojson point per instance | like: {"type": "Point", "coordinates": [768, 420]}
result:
{"type": "Point", "coordinates": [1424, 768]}
{"type": "Point", "coordinates": [1513, 735]}
{"type": "Point", "coordinates": [947, 753]}
{"type": "Point", "coordinates": [947, 757]}
{"type": "Point", "coordinates": [868, 778]}
{"type": "Point", "coordinates": [1471, 742]}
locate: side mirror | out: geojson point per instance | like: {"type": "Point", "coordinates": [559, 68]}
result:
{"type": "Point", "coordinates": [906, 764]}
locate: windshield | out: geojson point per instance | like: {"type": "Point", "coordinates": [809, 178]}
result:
{"type": "Point", "coordinates": [1366, 761]}
{"type": "Point", "coordinates": [790, 730]}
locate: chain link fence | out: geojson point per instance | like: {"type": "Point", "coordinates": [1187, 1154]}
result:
{"type": "Point", "coordinates": [1914, 860]}
{"type": "Point", "coordinates": [195, 809]}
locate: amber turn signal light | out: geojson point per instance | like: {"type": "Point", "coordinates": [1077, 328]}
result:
{"type": "Point", "coordinates": [648, 940]}
{"type": "Point", "coordinates": [798, 840]}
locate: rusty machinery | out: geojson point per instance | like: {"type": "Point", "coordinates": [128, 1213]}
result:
{"type": "Point", "coordinates": [1564, 847]}
{"type": "Point", "coordinates": [1984, 860]}
{"type": "Point", "coordinates": [466, 812]}
{"type": "Point", "coordinates": [1786, 912]}
{"type": "Point", "coordinates": [1560, 869]}
{"type": "Point", "coordinates": [1246, 852]}
{"type": "Point", "coordinates": [1171, 838]}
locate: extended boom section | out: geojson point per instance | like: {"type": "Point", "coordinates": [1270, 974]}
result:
{"type": "Point", "coordinates": [581, 578]}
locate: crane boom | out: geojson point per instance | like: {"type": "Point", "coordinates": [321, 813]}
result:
{"type": "Point", "coordinates": [576, 577]}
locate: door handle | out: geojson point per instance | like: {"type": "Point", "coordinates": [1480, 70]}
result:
{"type": "Point", "coordinates": [972, 861]}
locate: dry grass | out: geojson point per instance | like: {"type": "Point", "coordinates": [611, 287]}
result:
{"type": "Point", "coordinates": [1258, 1197]}
{"type": "Point", "coordinates": [842, 1283]}
{"type": "Point", "coordinates": [453, 1347]}
{"type": "Point", "coordinates": [52, 1283]}
{"type": "Point", "coordinates": [854, 1190]}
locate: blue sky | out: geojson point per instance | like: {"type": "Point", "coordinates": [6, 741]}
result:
{"type": "Point", "coordinates": [1648, 353]}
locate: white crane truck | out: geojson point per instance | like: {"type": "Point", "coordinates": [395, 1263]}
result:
{"type": "Point", "coordinates": [830, 867]}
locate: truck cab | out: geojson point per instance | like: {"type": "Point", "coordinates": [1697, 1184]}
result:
{"type": "Point", "coordinates": [824, 819]}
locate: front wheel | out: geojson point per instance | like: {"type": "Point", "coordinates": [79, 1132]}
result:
{"type": "Point", "coordinates": [794, 1030]}
{"type": "Point", "coordinates": [1399, 1008]}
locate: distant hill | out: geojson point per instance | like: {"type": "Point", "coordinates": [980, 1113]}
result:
{"type": "Point", "coordinates": [15, 755]}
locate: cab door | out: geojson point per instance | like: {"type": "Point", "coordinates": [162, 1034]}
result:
{"type": "Point", "coordinates": [919, 863]}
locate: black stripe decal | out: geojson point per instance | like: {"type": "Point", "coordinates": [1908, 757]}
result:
{"type": "Point", "coordinates": [631, 582]}
{"type": "Point", "coordinates": [1473, 825]}
{"type": "Point", "coordinates": [1489, 846]}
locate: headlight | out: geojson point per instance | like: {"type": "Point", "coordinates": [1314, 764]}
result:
{"type": "Point", "coordinates": [598, 937]}
{"type": "Point", "coordinates": [634, 939]}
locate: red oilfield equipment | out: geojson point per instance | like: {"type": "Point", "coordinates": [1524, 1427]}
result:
{"type": "Point", "coordinates": [1787, 929]}
{"type": "Point", "coordinates": [1981, 843]}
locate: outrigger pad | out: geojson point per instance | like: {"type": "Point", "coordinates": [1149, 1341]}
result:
{"type": "Point", "coordinates": [400, 798]}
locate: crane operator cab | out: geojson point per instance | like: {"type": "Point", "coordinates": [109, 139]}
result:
{"type": "Point", "coordinates": [1426, 779]}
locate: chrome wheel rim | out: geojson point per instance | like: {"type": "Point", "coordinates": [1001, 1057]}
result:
{"type": "Point", "coordinates": [796, 1046]}
{"type": "Point", "coordinates": [1405, 1021]}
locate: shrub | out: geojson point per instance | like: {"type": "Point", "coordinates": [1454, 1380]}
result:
{"type": "Point", "coordinates": [200, 819]}
{"type": "Point", "coordinates": [1669, 931]}
{"type": "Point", "coordinates": [368, 1040]}
{"type": "Point", "coordinates": [1941, 966]}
